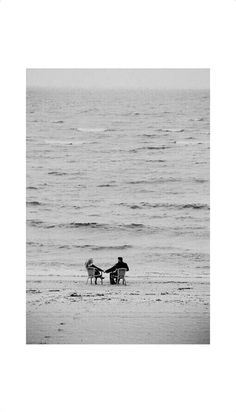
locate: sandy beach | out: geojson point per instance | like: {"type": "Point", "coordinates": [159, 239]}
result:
{"type": "Point", "coordinates": [69, 311]}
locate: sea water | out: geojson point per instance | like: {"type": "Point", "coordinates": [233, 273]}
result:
{"type": "Point", "coordinates": [118, 173]}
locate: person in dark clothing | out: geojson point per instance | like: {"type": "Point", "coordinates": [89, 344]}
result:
{"type": "Point", "coordinates": [113, 270]}
{"type": "Point", "coordinates": [98, 271]}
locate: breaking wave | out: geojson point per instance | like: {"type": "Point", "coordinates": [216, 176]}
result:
{"type": "Point", "coordinates": [90, 129]}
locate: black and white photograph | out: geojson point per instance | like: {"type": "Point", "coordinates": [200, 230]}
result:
{"type": "Point", "coordinates": [118, 206]}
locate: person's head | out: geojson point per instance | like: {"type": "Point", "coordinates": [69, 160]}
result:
{"type": "Point", "coordinates": [120, 259]}
{"type": "Point", "coordinates": [89, 262]}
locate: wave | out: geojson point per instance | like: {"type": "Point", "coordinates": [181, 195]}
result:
{"type": "Point", "coordinates": [58, 121]}
{"type": "Point", "coordinates": [195, 206]}
{"type": "Point", "coordinates": [160, 180]}
{"type": "Point", "coordinates": [35, 222]}
{"type": "Point", "coordinates": [121, 247]}
{"type": "Point", "coordinates": [115, 226]}
{"type": "Point", "coordinates": [143, 205]}
{"type": "Point", "coordinates": [133, 226]}
{"type": "Point", "coordinates": [156, 147]}
{"type": "Point", "coordinates": [87, 224]}
{"type": "Point", "coordinates": [74, 246]}
{"type": "Point", "coordinates": [33, 203]}
{"type": "Point", "coordinates": [34, 244]}
{"type": "Point", "coordinates": [90, 129]}
{"type": "Point", "coordinates": [200, 180]}
{"type": "Point", "coordinates": [155, 160]}
{"type": "Point", "coordinates": [163, 147]}
{"type": "Point", "coordinates": [57, 173]}
{"type": "Point", "coordinates": [89, 110]}
{"type": "Point", "coordinates": [72, 225]}
{"type": "Point", "coordinates": [106, 185]}
{"type": "Point", "coordinates": [137, 182]}
{"type": "Point", "coordinates": [92, 225]}
{"type": "Point", "coordinates": [149, 135]}
{"type": "Point", "coordinates": [86, 246]}
{"type": "Point", "coordinates": [200, 119]}
{"type": "Point", "coordinates": [171, 130]}
{"type": "Point", "coordinates": [63, 143]}
{"type": "Point", "coordinates": [31, 188]}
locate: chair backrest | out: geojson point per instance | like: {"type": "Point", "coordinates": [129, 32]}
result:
{"type": "Point", "coordinates": [91, 271]}
{"type": "Point", "coordinates": [121, 271]}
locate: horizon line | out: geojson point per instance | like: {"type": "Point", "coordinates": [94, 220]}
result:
{"type": "Point", "coordinates": [114, 88]}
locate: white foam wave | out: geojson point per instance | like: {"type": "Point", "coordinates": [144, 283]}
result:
{"type": "Point", "coordinates": [90, 130]}
{"type": "Point", "coordinates": [63, 142]}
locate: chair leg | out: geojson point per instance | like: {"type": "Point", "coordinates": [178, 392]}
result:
{"type": "Point", "coordinates": [91, 281]}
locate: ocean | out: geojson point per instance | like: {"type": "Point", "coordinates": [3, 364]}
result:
{"type": "Point", "coordinates": [118, 173]}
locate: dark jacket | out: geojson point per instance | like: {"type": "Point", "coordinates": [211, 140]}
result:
{"type": "Point", "coordinates": [119, 265]}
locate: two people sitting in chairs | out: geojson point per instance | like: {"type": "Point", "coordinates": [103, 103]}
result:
{"type": "Point", "coordinates": [115, 273]}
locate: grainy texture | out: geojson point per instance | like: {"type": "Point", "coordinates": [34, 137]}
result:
{"type": "Point", "coordinates": [118, 173]}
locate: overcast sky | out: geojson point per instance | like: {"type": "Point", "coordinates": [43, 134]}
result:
{"type": "Point", "coordinates": [120, 78]}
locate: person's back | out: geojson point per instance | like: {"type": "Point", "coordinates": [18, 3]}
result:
{"type": "Point", "coordinates": [113, 270]}
{"type": "Point", "coordinates": [122, 265]}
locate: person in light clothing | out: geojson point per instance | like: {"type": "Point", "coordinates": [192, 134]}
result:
{"type": "Point", "coordinates": [98, 271]}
